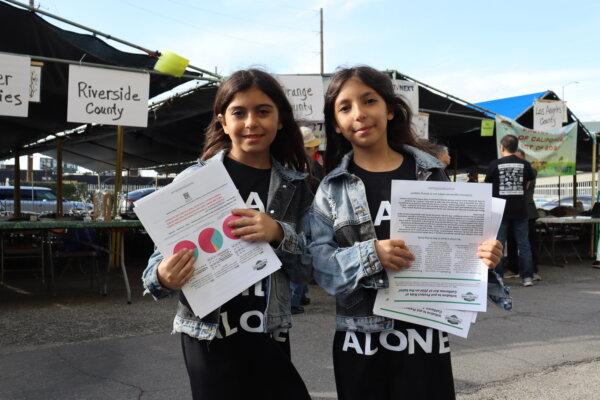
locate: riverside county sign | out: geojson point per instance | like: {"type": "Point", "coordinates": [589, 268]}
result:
{"type": "Point", "coordinates": [108, 97]}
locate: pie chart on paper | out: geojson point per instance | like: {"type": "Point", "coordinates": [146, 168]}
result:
{"type": "Point", "coordinates": [186, 244]}
{"type": "Point", "coordinates": [210, 240]}
{"type": "Point", "coordinates": [226, 229]}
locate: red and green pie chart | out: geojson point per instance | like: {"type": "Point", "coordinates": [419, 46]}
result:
{"type": "Point", "coordinates": [210, 240]}
{"type": "Point", "coordinates": [226, 229]}
{"type": "Point", "coordinates": [186, 245]}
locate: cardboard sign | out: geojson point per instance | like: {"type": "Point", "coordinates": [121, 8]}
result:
{"type": "Point", "coordinates": [109, 97]}
{"type": "Point", "coordinates": [15, 75]}
{"type": "Point", "coordinates": [305, 94]}
{"type": "Point", "coordinates": [548, 115]}
{"type": "Point", "coordinates": [409, 91]}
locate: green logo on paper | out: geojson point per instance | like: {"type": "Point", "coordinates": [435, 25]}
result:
{"type": "Point", "coordinates": [453, 319]}
{"type": "Point", "coordinates": [469, 297]}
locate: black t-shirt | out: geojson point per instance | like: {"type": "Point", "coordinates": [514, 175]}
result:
{"type": "Point", "coordinates": [244, 313]}
{"type": "Point", "coordinates": [378, 187]}
{"type": "Point", "coordinates": [509, 176]}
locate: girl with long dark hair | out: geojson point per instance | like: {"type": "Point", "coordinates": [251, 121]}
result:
{"type": "Point", "coordinates": [241, 350]}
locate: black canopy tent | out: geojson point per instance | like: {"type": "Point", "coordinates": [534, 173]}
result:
{"type": "Point", "coordinates": [455, 123]}
{"type": "Point", "coordinates": [175, 134]}
{"type": "Point", "coordinates": [24, 32]}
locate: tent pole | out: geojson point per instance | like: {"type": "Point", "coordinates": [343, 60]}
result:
{"type": "Point", "coordinates": [151, 53]}
{"type": "Point", "coordinates": [108, 66]}
{"type": "Point", "coordinates": [118, 168]}
{"type": "Point", "coordinates": [59, 178]}
{"type": "Point", "coordinates": [593, 194]}
{"type": "Point", "coordinates": [17, 186]}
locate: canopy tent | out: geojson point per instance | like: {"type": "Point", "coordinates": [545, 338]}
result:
{"type": "Point", "coordinates": [175, 134]}
{"type": "Point", "coordinates": [457, 124]}
{"type": "Point", "coordinates": [520, 108]}
{"type": "Point", "coordinates": [24, 32]}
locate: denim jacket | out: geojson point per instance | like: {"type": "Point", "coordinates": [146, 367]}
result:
{"type": "Point", "coordinates": [343, 243]}
{"type": "Point", "coordinates": [289, 199]}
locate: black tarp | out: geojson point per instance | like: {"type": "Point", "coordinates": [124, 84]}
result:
{"type": "Point", "coordinates": [24, 32]}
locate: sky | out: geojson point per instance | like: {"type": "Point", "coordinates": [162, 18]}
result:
{"type": "Point", "coordinates": [475, 50]}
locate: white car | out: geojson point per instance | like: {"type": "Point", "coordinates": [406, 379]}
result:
{"type": "Point", "coordinates": [38, 200]}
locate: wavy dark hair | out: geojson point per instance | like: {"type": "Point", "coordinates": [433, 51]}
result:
{"type": "Point", "coordinates": [287, 147]}
{"type": "Point", "coordinates": [399, 129]}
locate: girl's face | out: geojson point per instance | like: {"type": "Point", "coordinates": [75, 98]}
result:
{"type": "Point", "coordinates": [361, 114]}
{"type": "Point", "coordinates": [251, 121]}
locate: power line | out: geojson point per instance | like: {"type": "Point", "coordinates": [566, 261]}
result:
{"type": "Point", "coordinates": [203, 29]}
{"type": "Point", "coordinates": [253, 21]}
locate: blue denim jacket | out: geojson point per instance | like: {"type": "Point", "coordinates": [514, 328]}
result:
{"type": "Point", "coordinates": [289, 199]}
{"type": "Point", "coordinates": [343, 243]}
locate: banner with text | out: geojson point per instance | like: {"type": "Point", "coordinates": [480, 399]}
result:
{"type": "Point", "coordinates": [548, 115]}
{"type": "Point", "coordinates": [305, 94]}
{"type": "Point", "coordinates": [15, 76]}
{"type": "Point", "coordinates": [107, 96]}
{"type": "Point", "coordinates": [551, 153]}
{"type": "Point", "coordinates": [409, 91]}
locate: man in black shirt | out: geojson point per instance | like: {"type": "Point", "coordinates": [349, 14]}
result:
{"type": "Point", "coordinates": [510, 177]}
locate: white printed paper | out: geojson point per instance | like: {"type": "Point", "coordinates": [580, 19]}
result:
{"type": "Point", "coordinates": [443, 224]}
{"type": "Point", "coordinates": [192, 213]}
{"type": "Point", "coordinates": [409, 91]}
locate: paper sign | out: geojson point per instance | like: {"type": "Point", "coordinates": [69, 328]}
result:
{"type": "Point", "coordinates": [487, 127]}
{"type": "Point", "coordinates": [305, 94]}
{"type": "Point", "coordinates": [15, 75]}
{"type": "Point", "coordinates": [421, 123]}
{"type": "Point", "coordinates": [409, 91]}
{"type": "Point", "coordinates": [109, 97]}
{"type": "Point", "coordinates": [35, 84]}
{"type": "Point", "coordinates": [548, 115]}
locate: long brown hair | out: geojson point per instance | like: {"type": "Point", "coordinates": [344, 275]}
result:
{"type": "Point", "coordinates": [399, 129]}
{"type": "Point", "coordinates": [287, 147]}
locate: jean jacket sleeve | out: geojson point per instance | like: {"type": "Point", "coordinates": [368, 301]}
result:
{"type": "Point", "coordinates": [150, 278]}
{"type": "Point", "coordinates": [293, 251]}
{"type": "Point", "coordinates": [338, 270]}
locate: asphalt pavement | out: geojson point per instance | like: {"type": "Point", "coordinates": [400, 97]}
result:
{"type": "Point", "coordinates": [76, 344]}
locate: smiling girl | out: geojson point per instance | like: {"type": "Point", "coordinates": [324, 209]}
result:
{"type": "Point", "coordinates": [241, 350]}
{"type": "Point", "coordinates": [369, 144]}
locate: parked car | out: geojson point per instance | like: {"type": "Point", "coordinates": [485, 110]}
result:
{"type": "Point", "coordinates": [38, 200]}
{"type": "Point", "coordinates": [127, 199]}
{"type": "Point", "coordinates": [568, 201]}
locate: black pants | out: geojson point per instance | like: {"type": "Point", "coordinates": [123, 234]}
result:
{"type": "Point", "coordinates": [512, 253]}
{"type": "Point", "coordinates": [409, 362]}
{"type": "Point", "coordinates": [242, 366]}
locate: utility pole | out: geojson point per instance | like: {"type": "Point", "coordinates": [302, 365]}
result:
{"type": "Point", "coordinates": [321, 34]}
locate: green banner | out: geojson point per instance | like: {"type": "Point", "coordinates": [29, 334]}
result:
{"type": "Point", "coordinates": [487, 127]}
{"type": "Point", "coordinates": [551, 153]}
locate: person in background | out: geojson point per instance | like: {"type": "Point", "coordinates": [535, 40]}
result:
{"type": "Point", "coordinates": [532, 215]}
{"type": "Point", "coordinates": [442, 154]}
{"type": "Point", "coordinates": [510, 177]}
{"type": "Point", "coordinates": [311, 146]}
{"type": "Point", "coordinates": [473, 175]}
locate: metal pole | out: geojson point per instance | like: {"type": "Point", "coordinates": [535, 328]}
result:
{"type": "Point", "coordinates": [59, 178]}
{"type": "Point", "coordinates": [594, 169]}
{"type": "Point", "coordinates": [151, 53]}
{"type": "Point", "coordinates": [118, 168]}
{"type": "Point", "coordinates": [108, 66]}
{"type": "Point", "coordinates": [321, 34]}
{"type": "Point", "coordinates": [17, 186]}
